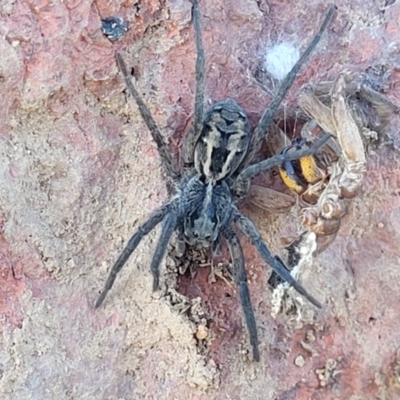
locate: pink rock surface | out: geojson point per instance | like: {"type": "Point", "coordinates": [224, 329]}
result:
{"type": "Point", "coordinates": [79, 172]}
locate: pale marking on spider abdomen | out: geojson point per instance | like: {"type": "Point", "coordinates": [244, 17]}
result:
{"type": "Point", "coordinates": [221, 147]}
{"type": "Point", "coordinates": [234, 147]}
{"type": "Point", "coordinates": [212, 141]}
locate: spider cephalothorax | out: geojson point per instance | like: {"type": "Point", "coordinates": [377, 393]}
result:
{"type": "Point", "coordinates": [203, 209]}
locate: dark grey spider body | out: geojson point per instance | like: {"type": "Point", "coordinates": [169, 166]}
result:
{"type": "Point", "coordinates": [203, 209]}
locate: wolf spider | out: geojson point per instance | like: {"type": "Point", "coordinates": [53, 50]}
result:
{"type": "Point", "coordinates": [217, 156]}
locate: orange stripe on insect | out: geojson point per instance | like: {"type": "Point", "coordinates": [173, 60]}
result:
{"type": "Point", "coordinates": [309, 169]}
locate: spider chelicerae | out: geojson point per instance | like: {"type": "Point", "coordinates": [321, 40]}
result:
{"type": "Point", "coordinates": [217, 164]}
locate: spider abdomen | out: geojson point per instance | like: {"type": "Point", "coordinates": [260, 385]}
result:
{"type": "Point", "coordinates": [223, 141]}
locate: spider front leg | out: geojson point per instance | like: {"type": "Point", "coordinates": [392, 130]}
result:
{"type": "Point", "coordinates": [242, 183]}
{"type": "Point", "coordinates": [266, 120]}
{"type": "Point", "coordinates": [156, 217]}
{"type": "Point", "coordinates": [194, 132]}
{"type": "Point", "coordinates": [168, 161]}
{"type": "Point", "coordinates": [240, 276]}
{"type": "Point", "coordinates": [248, 228]}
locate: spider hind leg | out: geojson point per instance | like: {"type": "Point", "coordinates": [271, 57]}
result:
{"type": "Point", "coordinates": [155, 218]}
{"type": "Point", "coordinates": [240, 276]}
{"type": "Point", "coordinates": [248, 228]}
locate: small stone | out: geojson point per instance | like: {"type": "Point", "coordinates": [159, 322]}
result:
{"type": "Point", "coordinates": [310, 336]}
{"type": "Point", "coordinates": [308, 347]}
{"type": "Point", "coordinates": [202, 332]}
{"type": "Point", "coordinates": [299, 361]}
{"type": "Point", "coordinates": [358, 232]}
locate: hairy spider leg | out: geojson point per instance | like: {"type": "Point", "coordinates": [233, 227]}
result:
{"type": "Point", "coordinates": [265, 121]}
{"type": "Point", "coordinates": [166, 233]}
{"type": "Point", "coordinates": [243, 179]}
{"type": "Point", "coordinates": [240, 277]}
{"type": "Point", "coordinates": [167, 159]}
{"type": "Point", "coordinates": [248, 228]}
{"type": "Point", "coordinates": [192, 136]}
{"type": "Point", "coordinates": [155, 218]}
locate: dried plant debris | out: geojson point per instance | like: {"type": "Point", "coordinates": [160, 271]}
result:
{"type": "Point", "coordinates": [327, 374]}
{"type": "Point", "coordinates": [186, 263]}
{"type": "Point", "coordinates": [355, 115]}
{"type": "Point", "coordinates": [221, 270]}
{"type": "Point", "coordinates": [188, 258]}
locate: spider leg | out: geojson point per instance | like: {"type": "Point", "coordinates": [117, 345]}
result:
{"type": "Point", "coordinates": [156, 217]}
{"type": "Point", "coordinates": [166, 233]}
{"type": "Point", "coordinates": [168, 161]}
{"type": "Point", "coordinates": [261, 129]}
{"type": "Point", "coordinates": [248, 228]}
{"type": "Point", "coordinates": [243, 179]}
{"type": "Point", "coordinates": [239, 273]}
{"type": "Point", "coordinates": [193, 134]}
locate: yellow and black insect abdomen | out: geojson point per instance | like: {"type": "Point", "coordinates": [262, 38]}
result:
{"type": "Point", "coordinates": [309, 169]}
{"type": "Point", "coordinates": [291, 177]}
{"type": "Point", "coordinates": [298, 174]}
